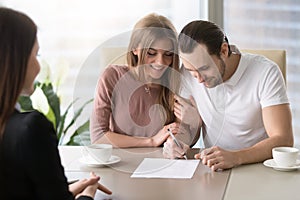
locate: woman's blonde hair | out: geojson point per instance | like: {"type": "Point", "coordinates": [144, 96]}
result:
{"type": "Point", "coordinates": [149, 29]}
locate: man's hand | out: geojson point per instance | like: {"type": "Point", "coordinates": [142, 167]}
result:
{"type": "Point", "coordinates": [217, 158]}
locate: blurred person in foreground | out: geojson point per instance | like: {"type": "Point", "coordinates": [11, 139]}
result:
{"type": "Point", "coordinates": [30, 166]}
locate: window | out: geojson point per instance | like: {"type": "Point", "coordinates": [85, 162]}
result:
{"type": "Point", "coordinates": [269, 24]}
{"type": "Point", "coordinates": [70, 30]}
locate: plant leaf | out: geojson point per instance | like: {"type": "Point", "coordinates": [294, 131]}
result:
{"type": "Point", "coordinates": [53, 101]}
{"type": "Point", "coordinates": [81, 136]}
{"type": "Point", "coordinates": [25, 103]}
{"type": "Point", "coordinates": [60, 128]}
{"type": "Point", "coordinates": [77, 114]}
{"type": "Point", "coordinates": [39, 101]}
{"type": "Point", "coordinates": [51, 117]}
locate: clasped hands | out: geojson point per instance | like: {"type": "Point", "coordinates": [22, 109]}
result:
{"type": "Point", "coordinates": [88, 187]}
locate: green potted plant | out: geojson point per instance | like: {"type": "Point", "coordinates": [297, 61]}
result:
{"type": "Point", "coordinates": [46, 100]}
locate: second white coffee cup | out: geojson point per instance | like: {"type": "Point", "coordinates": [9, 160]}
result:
{"type": "Point", "coordinates": [285, 156]}
{"type": "Point", "coordinates": [100, 152]}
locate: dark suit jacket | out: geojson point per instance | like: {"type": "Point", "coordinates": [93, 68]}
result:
{"type": "Point", "coordinates": [30, 162]}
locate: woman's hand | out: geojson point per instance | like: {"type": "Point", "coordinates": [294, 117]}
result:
{"type": "Point", "coordinates": [88, 187]}
{"type": "Point", "coordinates": [186, 110]}
{"type": "Point", "coordinates": [163, 134]}
{"type": "Point", "coordinates": [172, 151]}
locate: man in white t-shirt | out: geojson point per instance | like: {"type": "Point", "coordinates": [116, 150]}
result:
{"type": "Point", "coordinates": [241, 100]}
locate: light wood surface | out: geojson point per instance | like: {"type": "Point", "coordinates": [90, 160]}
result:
{"type": "Point", "coordinates": [254, 181]}
{"type": "Point", "coordinates": [258, 182]}
{"type": "Point", "coordinates": [205, 184]}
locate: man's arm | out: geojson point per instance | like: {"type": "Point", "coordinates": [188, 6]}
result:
{"type": "Point", "coordinates": [278, 124]}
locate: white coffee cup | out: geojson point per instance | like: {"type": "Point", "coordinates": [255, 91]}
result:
{"type": "Point", "coordinates": [100, 152]}
{"type": "Point", "coordinates": [285, 156]}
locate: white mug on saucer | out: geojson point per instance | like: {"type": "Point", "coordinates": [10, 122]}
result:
{"type": "Point", "coordinates": [285, 156]}
{"type": "Point", "coordinates": [100, 152]}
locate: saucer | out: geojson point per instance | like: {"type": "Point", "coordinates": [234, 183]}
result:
{"type": "Point", "coordinates": [271, 163]}
{"type": "Point", "coordinates": [88, 160]}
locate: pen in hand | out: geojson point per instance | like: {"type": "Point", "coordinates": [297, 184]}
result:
{"type": "Point", "coordinates": [176, 141]}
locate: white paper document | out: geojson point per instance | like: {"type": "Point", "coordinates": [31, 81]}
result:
{"type": "Point", "coordinates": [165, 168]}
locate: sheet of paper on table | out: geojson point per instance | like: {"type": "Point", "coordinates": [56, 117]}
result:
{"type": "Point", "coordinates": [165, 168]}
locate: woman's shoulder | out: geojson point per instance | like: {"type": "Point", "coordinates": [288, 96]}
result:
{"type": "Point", "coordinates": [31, 117]}
{"type": "Point", "coordinates": [113, 73]}
{"type": "Point", "coordinates": [28, 122]}
{"type": "Point", "coordinates": [116, 69]}
{"type": "Point", "coordinates": [28, 130]}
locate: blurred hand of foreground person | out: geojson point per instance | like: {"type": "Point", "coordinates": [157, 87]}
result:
{"type": "Point", "coordinates": [88, 187]}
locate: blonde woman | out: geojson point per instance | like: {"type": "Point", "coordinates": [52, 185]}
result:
{"type": "Point", "coordinates": [134, 103]}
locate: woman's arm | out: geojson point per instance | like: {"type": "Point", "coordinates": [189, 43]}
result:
{"type": "Point", "coordinates": [100, 126]}
{"type": "Point", "coordinates": [121, 141]}
{"type": "Point", "coordinates": [187, 113]}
